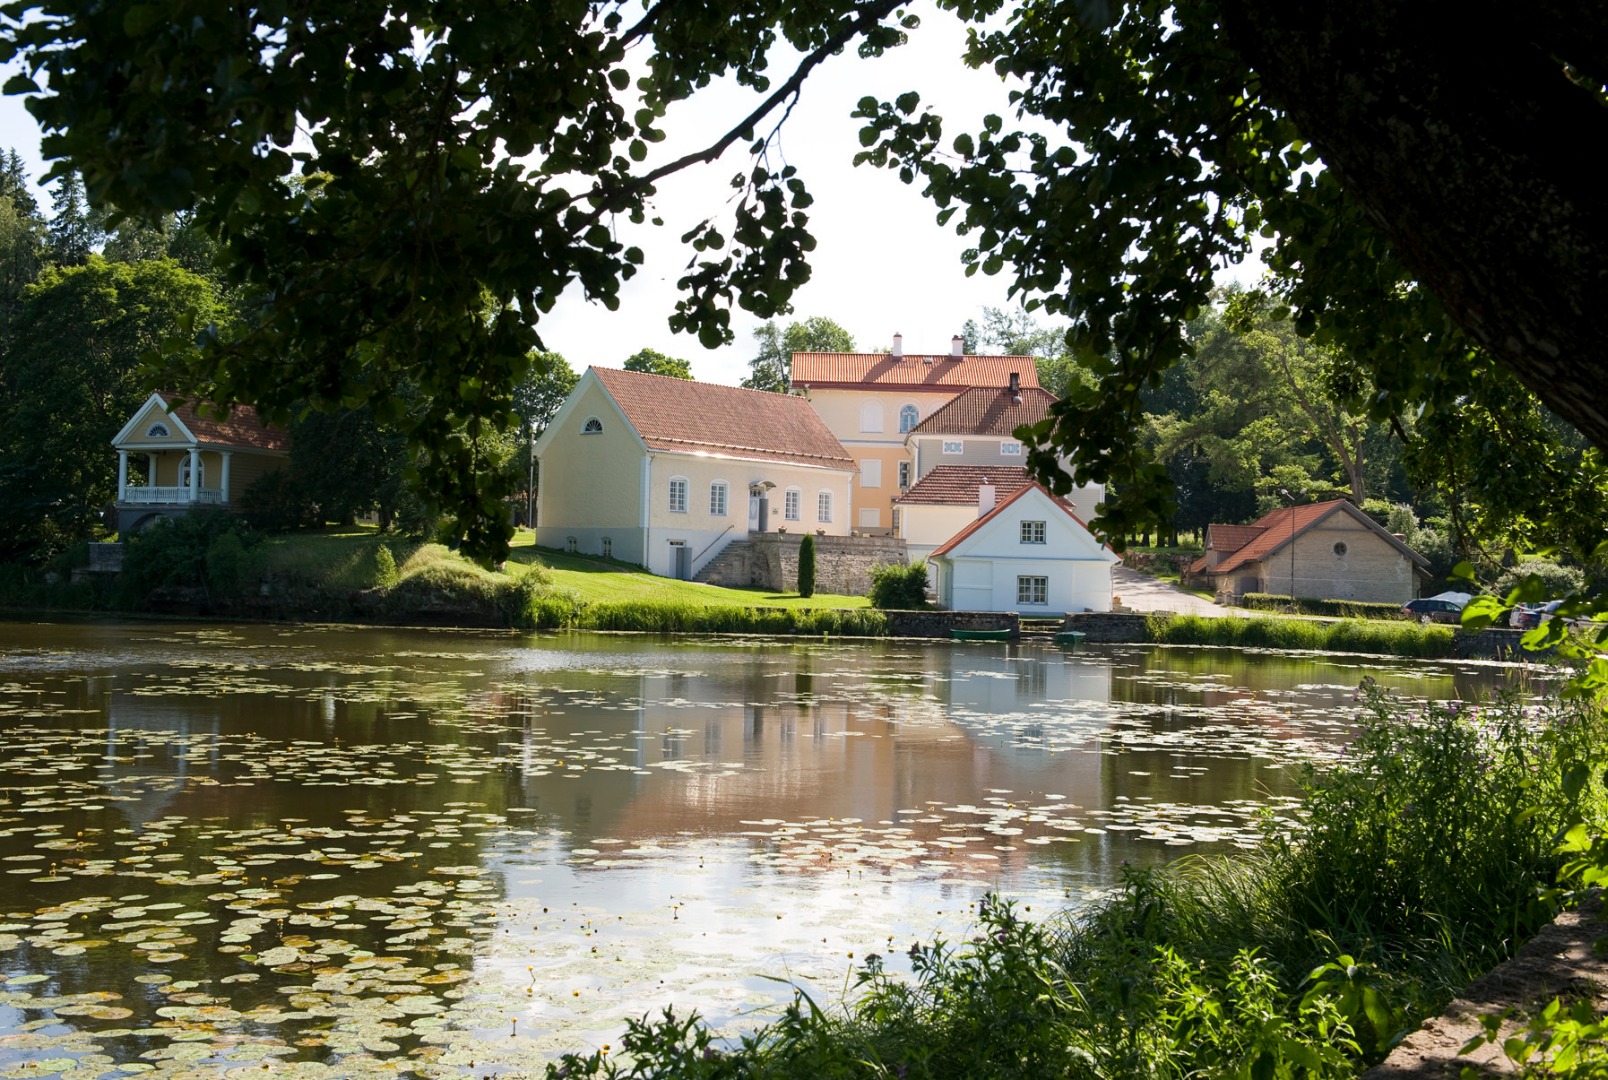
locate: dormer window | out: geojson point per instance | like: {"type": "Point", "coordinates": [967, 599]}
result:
{"type": "Point", "coordinates": [157, 431]}
{"type": "Point", "coordinates": [593, 426]}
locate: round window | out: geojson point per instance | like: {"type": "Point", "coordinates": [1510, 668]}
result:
{"type": "Point", "coordinates": [1340, 548]}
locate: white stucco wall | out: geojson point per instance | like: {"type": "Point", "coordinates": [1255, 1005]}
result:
{"type": "Point", "coordinates": [981, 573]}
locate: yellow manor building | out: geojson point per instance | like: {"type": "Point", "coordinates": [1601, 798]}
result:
{"type": "Point", "coordinates": [873, 401]}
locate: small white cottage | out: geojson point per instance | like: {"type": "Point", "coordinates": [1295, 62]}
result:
{"type": "Point", "coordinates": [1029, 554]}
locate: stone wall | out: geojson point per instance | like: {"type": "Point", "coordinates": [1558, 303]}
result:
{"type": "Point", "coordinates": [1111, 627]}
{"type": "Point", "coordinates": [770, 561]}
{"type": "Point", "coordinates": [937, 624]}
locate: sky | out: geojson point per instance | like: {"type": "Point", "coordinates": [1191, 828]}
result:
{"type": "Point", "coordinates": [882, 264]}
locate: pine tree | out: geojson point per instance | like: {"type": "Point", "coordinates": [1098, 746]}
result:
{"type": "Point", "coordinates": [14, 185]}
{"type": "Point", "coordinates": [75, 229]}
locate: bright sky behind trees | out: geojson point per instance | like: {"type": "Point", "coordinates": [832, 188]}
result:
{"type": "Point", "coordinates": [882, 264]}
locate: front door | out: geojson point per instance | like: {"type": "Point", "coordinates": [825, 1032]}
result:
{"type": "Point", "coordinates": [680, 560]}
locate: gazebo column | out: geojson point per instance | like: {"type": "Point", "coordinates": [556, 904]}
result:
{"type": "Point", "coordinates": [150, 468]}
{"type": "Point", "coordinates": [122, 475]}
{"type": "Point", "coordinates": [224, 475]}
{"type": "Point", "coordinates": [195, 474]}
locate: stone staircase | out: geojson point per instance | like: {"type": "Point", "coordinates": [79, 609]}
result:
{"type": "Point", "coordinates": [732, 568]}
{"type": "Point", "coordinates": [1040, 629]}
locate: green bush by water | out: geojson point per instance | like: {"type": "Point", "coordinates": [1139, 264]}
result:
{"type": "Point", "coordinates": [670, 617]}
{"type": "Point", "coordinates": [1343, 609]}
{"type": "Point", "coordinates": [1421, 860]}
{"type": "Point", "coordinates": [1346, 635]}
{"type": "Point", "coordinates": [899, 586]}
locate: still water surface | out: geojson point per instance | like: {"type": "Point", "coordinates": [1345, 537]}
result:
{"type": "Point", "coordinates": [339, 852]}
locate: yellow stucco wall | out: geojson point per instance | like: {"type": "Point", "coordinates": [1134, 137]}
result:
{"type": "Point", "coordinates": [589, 480]}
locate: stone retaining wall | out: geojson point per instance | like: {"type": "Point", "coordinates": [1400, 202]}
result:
{"type": "Point", "coordinates": [937, 624]}
{"type": "Point", "coordinates": [1109, 627]}
{"type": "Point", "coordinates": [842, 563]}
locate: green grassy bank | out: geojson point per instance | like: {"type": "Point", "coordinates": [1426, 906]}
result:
{"type": "Point", "coordinates": [1421, 861]}
{"type": "Point", "coordinates": [1341, 635]}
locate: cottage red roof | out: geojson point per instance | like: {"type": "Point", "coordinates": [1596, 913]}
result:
{"type": "Point", "coordinates": [1274, 530]}
{"type": "Point", "coordinates": [1229, 538]}
{"type": "Point", "coordinates": [999, 508]}
{"type": "Point", "coordinates": [679, 414]}
{"type": "Point", "coordinates": [987, 411]}
{"type": "Point", "coordinates": [861, 371]}
{"type": "Point", "coordinates": [956, 485]}
{"type": "Point", "coordinates": [239, 427]}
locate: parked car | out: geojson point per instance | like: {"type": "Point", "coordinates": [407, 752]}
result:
{"type": "Point", "coordinates": [1433, 609]}
{"type": "Point", "coordinates": [1529, 616]}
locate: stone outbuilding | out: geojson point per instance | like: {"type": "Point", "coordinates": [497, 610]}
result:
{"type": "Point", "coordinates": [1322, 551]}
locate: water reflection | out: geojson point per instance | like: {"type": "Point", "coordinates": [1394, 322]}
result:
{"type": "Point", "coordinates": [369, 850]}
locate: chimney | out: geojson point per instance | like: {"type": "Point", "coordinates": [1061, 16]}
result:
{"type": "Point", "coordinates": [898, 346]}
{"type": "Point", "coordinates": [985, 497]}
{"type": "Point", "coordinates": [957, 347]}
{"type": "Point", "coordinates": [1016, 383]}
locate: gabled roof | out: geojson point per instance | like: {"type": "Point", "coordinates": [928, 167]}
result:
{"type": "Point", "coordinates": [972, 527]}
{"type": "Point", "coordinates": [883, 371]}
{"type": "Point", "coordinates": [987, 411]}
{"type": "Point", "coordinates": [1279, 528]}
{"type": "Point", "coordinates": [240, 428]}
{"type": "Point", "coordinates": [1227, 538]}
{"type": "Point", "coordinates": [956, 485]}
{"type": "Point", "coordinates": [694, 417]}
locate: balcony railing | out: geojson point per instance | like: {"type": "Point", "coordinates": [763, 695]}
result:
{"type": "Point", "coordinates": [149, 495]}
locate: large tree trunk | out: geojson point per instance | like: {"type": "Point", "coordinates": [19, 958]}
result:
{"type": "Point", "coordinates": [1456, 130]}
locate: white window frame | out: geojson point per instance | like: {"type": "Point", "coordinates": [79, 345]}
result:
{"type": "Point", "coordinates": [909, 417]}
{"type": "Point", "coordinates": [592, 426]}
{"type": "Point", "coordinates": [158, 431]}
{"type": "Point", "coordinates": [1034, 532]}
{"type": "Point", "coordinates": [719, 498]}
{"type": "Point", "coordinates": [954, 446]}
{"type": "Point", "coordinates": [571, 545]}
{"type": "Point", "coordinates": [823, 505]}
{"type": "Point", "coordinates": [904, 475]}
{"type": "Point", "coordinates": [1010, 449]}
{"type": "Point", "coordinates": [678, 494]}
{"type": "Point", "coordinates": [200, 471]}
{"type": "Point", "coordinates": [608, 547]}
{"type": "Point", "coordinates": [792, 504]}
{"type": "Point", "coordinates": [1033, 590]}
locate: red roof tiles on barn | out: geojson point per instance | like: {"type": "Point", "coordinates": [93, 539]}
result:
{"type": "Point", "coordinates": [692, 417]}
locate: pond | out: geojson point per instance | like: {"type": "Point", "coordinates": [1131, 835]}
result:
{"type": "Point", "coordinates": [341, 852]}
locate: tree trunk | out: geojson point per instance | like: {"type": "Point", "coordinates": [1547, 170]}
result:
{"type": "Point", "coordinates": [1456, 131]}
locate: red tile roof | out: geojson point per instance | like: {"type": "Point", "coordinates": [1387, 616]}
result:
{"type": "Point", "coordinates": [1230, 538]}
{"type": "Point", "coordinates": [987, 411]}
{"type": "Point", "coordinates": [240, 427]}
{"type": "Point", "coordinates": [862, 371]}
{"type": "Point", "coordinates": [999, 508]}
{"type": "Point", "coordinates": [679, 414]}
{"type": "Point", "coordinates": [956, 485]}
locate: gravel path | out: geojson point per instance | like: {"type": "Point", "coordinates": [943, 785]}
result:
{"type": "Point", "coordinates": [1141, 592]}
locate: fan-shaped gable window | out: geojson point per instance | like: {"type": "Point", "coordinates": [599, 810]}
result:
{"type": "Point", "coordinates": [157, 431]}
{"type": "Point", "coordinates": [593, 426]}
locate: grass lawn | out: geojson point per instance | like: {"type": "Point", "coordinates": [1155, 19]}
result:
{"type": "Point", "coordinates": [595, 580]}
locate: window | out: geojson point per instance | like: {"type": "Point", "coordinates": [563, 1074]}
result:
{"type": "Point", "coordinates": [870, 517]}
{"type": "Point", "coordinates": [791, 503]}
{"type": "Point", "coordinates": [570, 545]}
{"type": "Point", "coordinates": [156, 431]}
{"type": "Point", "coordinates": [1032, 532]}
{"type": "Point", "coordinates": [1010, 449]}
{"type": "Point", "coordinates": [608, 547]}
{"type": "Point", "coordinates": [954, 446]}
{"type": "Point", "coordinates": [904, 475]}
{"type": "Point", "coordinates": [717, 498]}
{"type": "Point", "coordinates": [823, 506]}
{"type": "Point", "coordinates": [871, 416]}
{"type": "Point", "coordinates": [1033, 590]}
{"type": "Point", "coordinates": [200, 472]}
{"type": "Point", "coordinates": [871, 474]}
{"type": "Point", "coordinates": [898, 520]}
{"type": "Point", "coordinates": [1340, 547]}
{"type": "Point", "coordinates": [678, 495]}
{"type": "Point", "coordinates": [593, 426]}
{"type": "Point", "coordinates": [909, 417]}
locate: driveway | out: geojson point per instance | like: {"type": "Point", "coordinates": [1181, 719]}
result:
{"type": "Point", "coordinates": [1141, 592]}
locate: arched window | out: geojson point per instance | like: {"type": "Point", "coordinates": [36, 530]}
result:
{"type": "Point", "coordinates": [157, 431]}
{"type": "Point", "coordinates": [909, 417]}
{"type": "Point", "coordinates": [593, 426]}
{"type": "Point", "coordinates": [200, 472]}
{"type": "Point", "coordinates": [871, 416]}
{"type": "Point", "coordinates": [717, 498]}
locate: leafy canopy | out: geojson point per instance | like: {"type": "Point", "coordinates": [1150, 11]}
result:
{"type": "Point", "coordinates": [772, 366]}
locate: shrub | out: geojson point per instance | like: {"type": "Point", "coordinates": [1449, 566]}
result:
{"type": "Point", "coordinates": [385, 571]}
{"type": "Point", "coordinates": [806, 566]}
{"type": "Point", "coordinates": [275, 502]}
{"type": "Point", "coordinates": [1552, 580]}
{"type": "Point", "coordinates": [899, 586]}
{"type": "Point", "coordinates": [173, 552]}
{"type": "Point", "coordinates": [1398, 638]}
{"type": "Point", "coordinates": [1345, 609]}
{"type": "Point", "coordinates": [230, 566]}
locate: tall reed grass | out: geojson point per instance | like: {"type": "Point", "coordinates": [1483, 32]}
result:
{"type": "Point", "coordinates": [1344, 635]}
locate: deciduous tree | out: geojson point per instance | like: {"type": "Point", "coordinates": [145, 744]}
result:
{"type": "Point", "coordinates": [654, 362]}
{"type": "Point", "coordinates": [772, 366]}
